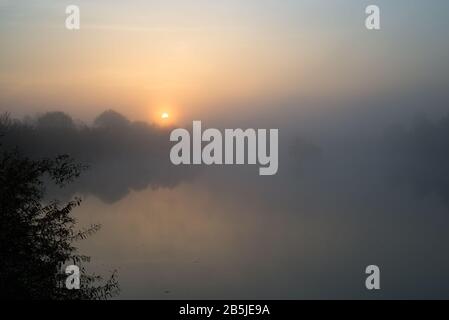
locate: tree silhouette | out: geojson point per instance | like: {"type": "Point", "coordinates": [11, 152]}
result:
{"type": "Point", "coordinates": [36, 236]}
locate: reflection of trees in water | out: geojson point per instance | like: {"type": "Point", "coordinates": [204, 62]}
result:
{"type": "Point", "coordinates": [37, 239]}
{"type": "Point", "coordinates": [122, 155]}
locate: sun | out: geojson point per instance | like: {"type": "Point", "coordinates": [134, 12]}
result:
{"type": "Point", "coordinates": [165, 115]}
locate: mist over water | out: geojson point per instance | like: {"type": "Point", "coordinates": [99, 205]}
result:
{"type": "Point", "coordinates": [346, 196]}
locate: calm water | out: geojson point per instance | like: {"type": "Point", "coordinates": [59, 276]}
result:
{"type": "Point", "coordinates": [212, 239]}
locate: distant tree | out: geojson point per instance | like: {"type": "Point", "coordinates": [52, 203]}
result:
{"type": "Point", "coordinates": [58, 120]}
{"type": "Point", "coordinates": [111, 119]}
{"type": "Point", "coordinates": [37, 238]}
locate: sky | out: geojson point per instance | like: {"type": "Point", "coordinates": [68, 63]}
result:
{"type": "Point", "coordinates": [362, 118]}
{"type": "Point", "coordinates": [193, 57]}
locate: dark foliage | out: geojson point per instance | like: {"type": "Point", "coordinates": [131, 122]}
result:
{"type": "Point", "coordinates": [37, 238]}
